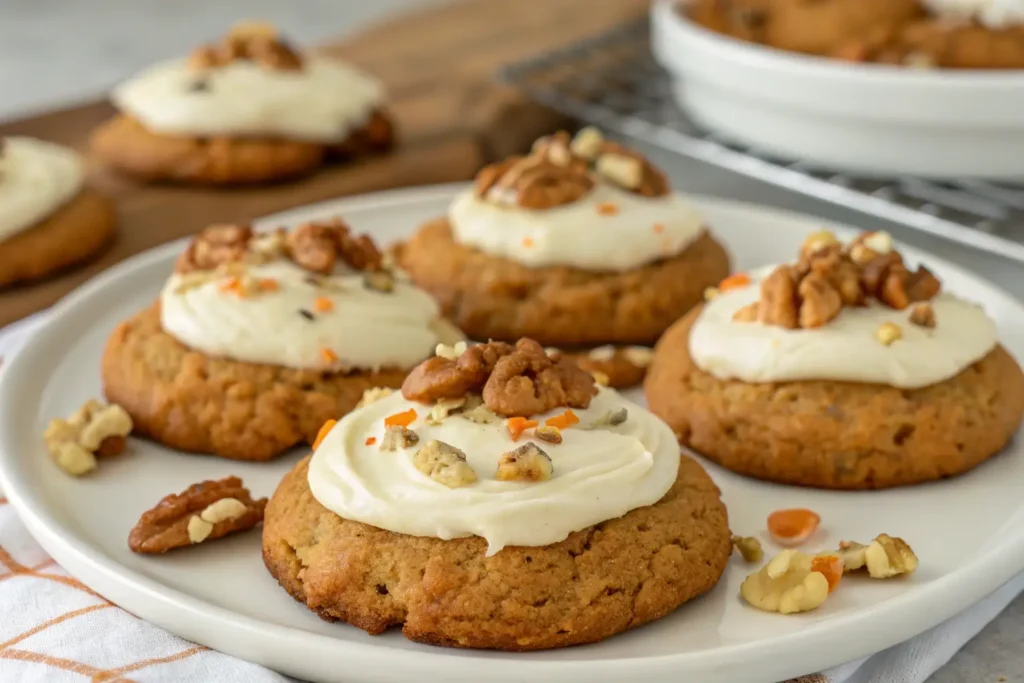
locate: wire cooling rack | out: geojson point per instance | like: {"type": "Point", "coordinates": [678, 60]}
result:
{"type": "Point", "coordinates": [613, 82]}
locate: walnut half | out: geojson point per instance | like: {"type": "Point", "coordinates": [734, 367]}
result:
{"type": "Point", "coordinates": [786, 585]}
{"type": "Point", "coordinates": [93, 430]}
{"type": "Point", "coordinates": [204, 511]}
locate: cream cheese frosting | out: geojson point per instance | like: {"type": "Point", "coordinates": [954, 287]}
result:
{"type": "Point", "coordinates": [845, 349]}
{"type": "Point", "coordinates": [304, 321]}
{"type": "Point", "coordinates": [994, 14]}
{"type": "Point", "coordinates": [580, 235]}
{"type": "Point", "coordinates": [322, 102]}
{"type": "Point", "coordinates": [36, 179]}
{"type": "Point", "coordinates": [598, 475]}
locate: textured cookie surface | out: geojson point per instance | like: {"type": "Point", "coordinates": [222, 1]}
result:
{"type": "Point", "coordinates": [837, 434]}
{"type": "Point", "coordinates": [74, 233]}
{"type": "Point", "coordinates": [236, 410]}
{"type": "Point", "coordinates": [125, 145]}
{"type": "Point", "coordinates": [598, 582]}
{"type": "Point", "coordinates": [495, 298]}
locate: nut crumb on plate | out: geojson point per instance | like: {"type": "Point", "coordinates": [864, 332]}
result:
{"type": "Point", "coordinates": [95, 429]}
{"type": "Point", "coordinates": [787, 585]}
{"type": "Point", "coordinates": [749, 547]}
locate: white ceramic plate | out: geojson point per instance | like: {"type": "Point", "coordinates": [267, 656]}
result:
{"type": "Point", "coordinates": [968, 531]}
{"type": "Point", "coordinates": [866, 118]}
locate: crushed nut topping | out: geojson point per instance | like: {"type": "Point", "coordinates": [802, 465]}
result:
{"type": "Point", "coordinates": [787, 584]}
{"type": "Point", "coordinates": [374, 394]}
{"type": "Point", "coordinates": [445, 407]}
{"type": "Point", "coordinates": [885, 557]}
{"type": "Point", "coordinates": [398, 437]}
{"type": "Point", "coordinates": [749, 547]}
{"type": "Point", "coordinates": [829, 277]}
{"type": "Point", "coordinates": [548, 433]}
{"type": "Point", "coordinates": [204, 511]}
{"type": "Point", "coordinates": [379, 281]}
{"type": "Point", "coordinates": [559, 171]}
{"type": "Point", "coordinates": [887, 333]}
{"type": "Point", "coordinates": [451, 352]}
{"type": "Point", "coordinates": [612, 418]}
{"type": "Point", "coordinates": [254, 41]}
{"type": "Point", "coordinates": [526, 463]}
{"type": "Point", "coordinates": [316, 246]}
{"type": "Point", "coordinates": [923, 314]}
{"type": "Point", "coordinates": [520, 380]}
{"type": "Point", "coordinates": [93, 430]}
{"type": "Point", "coordinates": [444, 464]}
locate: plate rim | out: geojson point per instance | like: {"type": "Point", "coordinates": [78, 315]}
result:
{"type": "Point", "coordinates": [843, 638]}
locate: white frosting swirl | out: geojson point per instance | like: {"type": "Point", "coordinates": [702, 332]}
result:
{"type": "Point", "coordinates": [598, 475]}
{"type": "Point", "coordinates": [36, 179]}
{"type": "Point", "coordinates": [995, 14]}
{"type": "Point", "coordinates": [845, 349]}
{"type": "Point", "coordinates": [364, 328]}
{"type": "Point", "coordinates": [322, 102]}
{"type": "Point", "coordinates": [641, 230]}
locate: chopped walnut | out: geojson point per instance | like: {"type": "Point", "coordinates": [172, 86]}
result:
{"type": "Point", "coordinates": [817, 241]}
{"type": "Point", "coordinates": [374, 394]}
{"type": "Point", "coordinates": [451, 352]}
{"type": "Point", "coordinates": [612, 418]}
{"type": "Point", "coordinates": [317, 247]}
{"type": "Point", "coordinates": [923, 314]}
{"type": "Point", "coordinates": [475, 411]}
{"type": "Point", "coordinates": [887, 556]}
{"type": "Point", "coordinates": [526, 463]}
{"type": "Point", "coordinates": [255, 41]}
{"type": "Point", "coordinates": [213, 246]}
{"type": "Point", "coordinates": [602, 353]}
{"type": "Point", "coordinates": [93, 430]}
{"type": "Point", "coordinates": [204, 511]}
{"type": "Point", "coordinates": [887, 333]}
{"type": "Point", "coordinates": [444, 464]}
{"type": "Point", "coordinates": [786, 585]}
{"type": "Point", "coordinates": [397, 437]}
{"type": "Point", "coordinates": [587, 144]}
{"type": "Point", "coordinates": [625, 171]}
{"type": "Point", "coordinates": [548, 433]}
{"type": "Point", "coordinates": [379, 281]}
{"type": "Point", "coordinates": [853, 555]}
{"type": "Point", "coordinates": [749, 547]}
{"type": "Point", "coordinates": [445, 407]}
{"type": "Point", "coordinates": [819, 301]}
{"type": "Point", "coordinates": [640, 356]}
{"type": "Point", "coordinates": [534, 182]}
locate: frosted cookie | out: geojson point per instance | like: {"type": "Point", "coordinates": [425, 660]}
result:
{"type": "Point", "coordinates": [249, 109]}
{"type": "Point", "coordinates": [258, 338]}
{"type": "Point", "coordinates": [579, 244]}
{"type": "Point", "coordinates": [502, 501]}
{"type": "Point", "coordinates": [49, 217]}
{"type": "Point", "coordinates": [847, 369]}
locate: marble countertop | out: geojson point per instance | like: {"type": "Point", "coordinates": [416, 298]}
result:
{"type": "Point", "coordinates": [55, 52]}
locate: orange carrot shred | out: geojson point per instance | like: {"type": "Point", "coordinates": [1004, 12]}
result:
{"type": "Point", "coordinates": [517, 425]}
{"type": "Point", "coordinates": [232, 284]}
{"type": "Point", "coordinates": [607, 208]}
{"type": "Point", "coordinates": [527, 242]}
{"type": "Point", "coordinates": [324, 431]}
{"type": "Point", "coordinates": [268, 284]}
{"type": "Point", "coordinates": [566, 419]}
{"type": "Point", "coordinates": [402, 419]}
{"type": "Point", "coordinates": [323, 304]}
{"type": "Point", "coordinates": [792, 527]}
{"type": "Point", "coordinates": [734, 281]}
{"type": "Point", "coordinates": [658, 228]}
{"type": "Point", "coordinates": [829, 566]}
{"type": "Point", "coordinates": [370, 440]}
{"type": "Point", "coordinates": [328, 355]}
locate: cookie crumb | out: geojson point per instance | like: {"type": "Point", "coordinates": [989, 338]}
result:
{"type": "Point", "coordinates": [526, 463]}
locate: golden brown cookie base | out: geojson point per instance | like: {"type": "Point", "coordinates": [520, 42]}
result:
{"type": "Point", "coordinates": [243, 411]}
{"type": "Point", "coordinates": [837, 435]}
{"type": "Point", "coordinates": [883, 31]}
{"type": "Point", "coordinates": [74, 233]}
{"type": "Point", "coordinates": [125, 145]}
{"type": "Point", "coordinates": [598, 582]}
{"type": "Point", "coordinates": [495, 298]}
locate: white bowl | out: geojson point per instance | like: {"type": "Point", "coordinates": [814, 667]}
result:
{"type": "Point", "coordinates": [867, 118]}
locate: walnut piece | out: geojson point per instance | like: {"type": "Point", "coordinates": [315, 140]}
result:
{"type": "Point", "coordinates": [204, 511]}
{"type": "Point", "coordinates": [527, 382]}
{"type": "Point", "coordinates": [853, 555]}
{"type": "Point", "coordinates": [448, 375]}
{"type": "Point", "coordinates": [251, 40]}
{"type": "Point", "coordinates": [923, 314]}
{"type": "Point", "coordinates": [379, 281]}
{"type": "Point", "coordinates": [548, 433]}
{"type": "Point", "coordinates": [888, 333]}
{"type": "Point", "coordinates": [611, 418]}
{"type": "Point", "coordinates": [534, 182]}
{"type": "Point", "coordinates": [888, 556]}
{"type": "Point", "coordinates": [317, 246]}
{"type": "Point", "coordinates": [95, 429]}
{"type": "Point", "coordinates": [213, 246]}
{"type": "Point", "coordinates": [447, 406]}
{"type": "Point", "coordinates": [786, 585]}
{"type": "Point", "coordinates": [444, 464]}
{"type": "Point", "coordinates": [526, 463]}
{"type": "Point", "coordinates": [749, 547]}
{"type": "Point", "coordinates": [451, 352]}
{"type": "Point", "coordinates": [397, 437]}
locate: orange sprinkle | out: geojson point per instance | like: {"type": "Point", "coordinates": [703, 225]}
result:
{"type": "Point", "coordinates": [370, 440]}
{"type": "Point", "coordinates": [402, 419]}
{"type": "Point", "coordinates": [794, 526]}
{"type": "Point", "coordinates": [658, 228]}
{"type": "Point", "coordinates": [829, 566]}
{"type": "Point", "coordinates": [734, 281]}
{"type": "Point", "coordinates": [566, 419]}
{"type": "Point", "coordinates": [232, 284]}
{"type": "Point", "coordinates": [328, 355]}
{"type": "Point", "coordinates": [268, 284]}
{"type": "Point", "coordinates": [527, 242]}
{"type": "Point", "coordinates": [517, 425]}
{"type": "Point", "coordinates": [323, 304]}
{"type": "Point", "coordinates": [607, 208]}
{"type": "Point", "coordinates": [324, 431]}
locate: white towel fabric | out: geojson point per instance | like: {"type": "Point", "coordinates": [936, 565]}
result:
{"type": "Point", "coordinates": [54, 629]}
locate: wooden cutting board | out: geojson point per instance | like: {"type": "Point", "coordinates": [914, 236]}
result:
{"type": "Point", "coordinates": [452, 119]}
